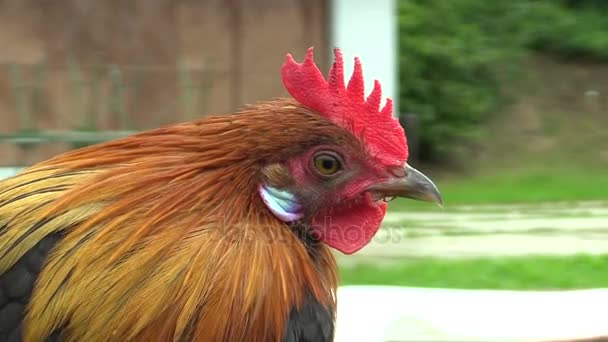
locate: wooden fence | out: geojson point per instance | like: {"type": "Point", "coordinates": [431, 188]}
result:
{"type": "Point", "coordinates": [98, 99]}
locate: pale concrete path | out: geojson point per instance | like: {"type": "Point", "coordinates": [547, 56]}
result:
{"type": "Point", "coordinates": [486, 231]}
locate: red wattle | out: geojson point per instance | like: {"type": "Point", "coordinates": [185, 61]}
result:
{"type": "Point", "coordinates": [350, 227]}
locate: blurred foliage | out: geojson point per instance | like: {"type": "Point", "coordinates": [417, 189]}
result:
{"type": "Point", "coordinates": [568, 29]}
{"type": "Point", "coordinates": [451, 58]}
{"type": "Point", "coordinates": [455, 55]}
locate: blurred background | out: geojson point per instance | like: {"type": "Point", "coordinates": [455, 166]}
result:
{"type": "Point", "coordinates": [505, 105]}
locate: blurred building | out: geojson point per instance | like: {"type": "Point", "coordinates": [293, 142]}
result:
{"type": "Point", "coordinates": [129, 65]}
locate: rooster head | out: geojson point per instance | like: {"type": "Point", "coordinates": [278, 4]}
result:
{"type": "Point", "coordinates": [340, 190]}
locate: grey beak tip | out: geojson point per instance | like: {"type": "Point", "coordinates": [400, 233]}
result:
{"type": "Point", "coordinates": [414, 185]}
{"type": "Point", "coordinates": [439, 201]}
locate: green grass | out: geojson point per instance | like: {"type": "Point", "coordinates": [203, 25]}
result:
{"type": "Point", "coordinates": [525, 186]}
{"type": "Point", "coordinates": [516, 273]}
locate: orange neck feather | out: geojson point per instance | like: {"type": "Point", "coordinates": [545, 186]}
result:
{"type": "Point", "coordinates": [166, 237]}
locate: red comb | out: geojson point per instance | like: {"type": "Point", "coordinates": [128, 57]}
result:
{"type": "Point", "coordinates": [346, 106]}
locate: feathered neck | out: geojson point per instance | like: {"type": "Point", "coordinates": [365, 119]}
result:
{"type": "Point", "coordinates": [165, 236]}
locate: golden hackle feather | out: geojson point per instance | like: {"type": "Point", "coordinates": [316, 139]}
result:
{"type": "Point", "coordinates": [164, 235]}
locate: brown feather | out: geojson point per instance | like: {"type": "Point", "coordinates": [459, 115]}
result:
{"type": "Point", "coordinates": [165, 235]}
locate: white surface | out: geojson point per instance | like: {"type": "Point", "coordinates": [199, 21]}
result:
{"type": "Point", "coordinates": [379, 314]}
{"type": "Point", "coordinates": [368, 29]}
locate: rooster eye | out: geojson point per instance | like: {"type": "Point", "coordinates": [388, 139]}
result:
{"type": "Point", "coordinates": [327, 164]}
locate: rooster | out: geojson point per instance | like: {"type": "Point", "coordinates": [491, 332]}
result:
{"type": "Point", "coordinates": [220, 229]}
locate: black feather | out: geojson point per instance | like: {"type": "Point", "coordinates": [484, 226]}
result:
{"type": "Point", "coordinates": [16, 286]}
{"type": "Point", "coordinates": [312, 323]}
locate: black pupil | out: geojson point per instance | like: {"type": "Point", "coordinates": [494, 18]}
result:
{"type": "Point", "coordinates": [328, 164]}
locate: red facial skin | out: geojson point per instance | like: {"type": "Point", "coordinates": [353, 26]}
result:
{"type": "Point", "coordinates": [341, 212]}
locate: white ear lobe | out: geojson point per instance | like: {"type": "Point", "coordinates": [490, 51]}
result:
{"type": "Point", "coordinates": [283, 204]}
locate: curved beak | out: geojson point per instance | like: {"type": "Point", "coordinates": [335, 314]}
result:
{"type": "Point", "coordinates": [414, 185]}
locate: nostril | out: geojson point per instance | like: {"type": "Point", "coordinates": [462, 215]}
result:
{"type": "Point", "coordinates": [397, 171]}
